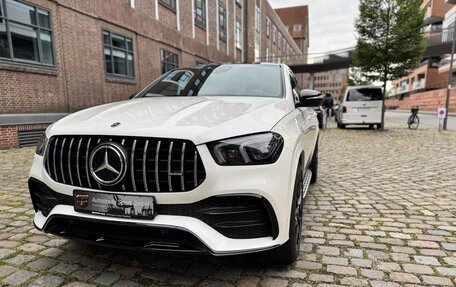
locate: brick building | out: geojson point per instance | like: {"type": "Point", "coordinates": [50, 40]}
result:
{"type": "Point", "coordinates": [61, 56]}
{"type": "Point", "coordinates": [332, 82]}
{"type": "Point", "coordinates": [296, 20]}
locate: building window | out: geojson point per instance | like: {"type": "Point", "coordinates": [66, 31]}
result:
{"type": "Point", "coordinates": [118, 54]}
{"type": "Point", "coordinates": [268, 27]}
{"type": "Point", "coordinates": [297, 28]}
{"type": "Point", "coordinates": [200, 13]}
{"type": "Point", "coordinates": [274, 33]}
{"type": "Point", "coordinates": [25, 34]}
{"type": "Point", "coordinates": [238, 34]}
{"type": "Point", "coordinates": [169, 3]}
{"type": "Point", "coordinates": [169, 61]}
{"type": "Point", "coordinates": [257, 18]}
{"type": "Point", "coordinates": [279, 41]}
{"type": "Point", "coordinates": [222, 23]}
{"type": "Point", "coordinates": [257, 32]}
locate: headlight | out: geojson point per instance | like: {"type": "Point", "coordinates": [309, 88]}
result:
{"type": "Point", "coordinates": [248, 150]}
{"type": "Point", "coordinates": [41, 146]}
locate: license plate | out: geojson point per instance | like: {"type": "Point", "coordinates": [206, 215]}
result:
{"type": "Point", "coordinates": [363, 109]}
{"type": "Point", "coordinates": [115, 205]}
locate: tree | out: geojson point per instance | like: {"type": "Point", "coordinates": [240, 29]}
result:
{"type": "Point", "coordinates": [357, 78]}
{"type": "Point", "coordinates": [389, 40]}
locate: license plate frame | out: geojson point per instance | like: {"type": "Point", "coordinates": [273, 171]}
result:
{"type": "Point", "coordinates": [119, 205]}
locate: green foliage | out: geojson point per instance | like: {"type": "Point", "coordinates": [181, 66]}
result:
{"type": "Point", "coordinates": [389, 38]}
{"type": "Point", "coordinates": [390, 42]}
{"type": "Point", "coordinates": [357, 78]}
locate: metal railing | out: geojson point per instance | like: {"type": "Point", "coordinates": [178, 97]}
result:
{"type": "Point", "coordinates": [444, 36]}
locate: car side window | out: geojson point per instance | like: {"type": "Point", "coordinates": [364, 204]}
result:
{"type": "Point", "coordinates": [294, 87]}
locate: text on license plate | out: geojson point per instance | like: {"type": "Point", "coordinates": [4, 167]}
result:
{"type": "Point", "coordinates": [115, 205]}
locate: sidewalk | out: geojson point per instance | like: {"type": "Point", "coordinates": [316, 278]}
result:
{"type": "Point", "coordinates": [422, 112]}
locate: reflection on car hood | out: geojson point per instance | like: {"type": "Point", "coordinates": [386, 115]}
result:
{"type": "Point", "coordinates": [200, 119]}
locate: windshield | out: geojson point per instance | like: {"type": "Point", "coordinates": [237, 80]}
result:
{"type": "Point", "coordinates": [364, 95]}
{"type": "Point", "coordinates": [223, 80]}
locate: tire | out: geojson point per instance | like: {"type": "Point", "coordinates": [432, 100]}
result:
{"type": "Point", "coordinates": [379, 126]}
{"type": "Point", "coordinates": [314, 165]}
{"type": "Point", "coordinates": [289, 251]}
{"type": "Point", "coordinates": [341, 126]}
{"type": "Point", "coordinates": [320, 120]}
{"type": "Point", "coordinates": [413, 122]}
{"type": "Point", "coordinates": [410, 120]}
{"type": "Point", "coordinates": [371, 126]}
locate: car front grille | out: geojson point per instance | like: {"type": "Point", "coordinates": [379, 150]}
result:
{"type": "Point", "coordinates": [153, 165]}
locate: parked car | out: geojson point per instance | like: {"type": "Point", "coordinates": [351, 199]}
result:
{"type": "Point", "coordinates": [361, 105]}
{"type": "Point", "coordinates": [190, 164]}
{"type": "Point", "coordinates": [337, 108]}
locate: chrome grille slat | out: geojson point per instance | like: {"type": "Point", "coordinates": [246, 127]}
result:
{"type": "Point", "coordinates": [182, 163]}
{"type": "Point", "coordinates": [77, 162]}
{"type": "Point", "coordinates": [61, 160]}
{"type": "Point", "coordinates": [157, 176]}
{"type": "Point", "coordinates": [155, 165]}
{"type": "Point", "coordinates": [87, 162]}
{"type": "Point", "coordinates": [53, 159]}
{"type": "Point", "coordinates": [170, 156]}
{"type": "Point", "coordinates": [195, 169]}
{"type": "Point", "coordinates": [98, 142]}
{"type": "Point", "coordinates": [132, 165]}
{"type": "Point", "coordinates": [48, 164]}
{"type": "Point", "coordinates": [144, 167]}
{"type": "Point", "coordinates": [69, 161]}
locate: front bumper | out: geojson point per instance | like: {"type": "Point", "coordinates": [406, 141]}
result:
{"type": "Point", "coordinates": [263, 182]}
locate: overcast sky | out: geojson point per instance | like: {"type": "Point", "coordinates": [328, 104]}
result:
{"type": "Point", "coordinates": [331, 22]}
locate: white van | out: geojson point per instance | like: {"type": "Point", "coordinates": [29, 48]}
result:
{"type": "Point", "coordinates": [361, 105]}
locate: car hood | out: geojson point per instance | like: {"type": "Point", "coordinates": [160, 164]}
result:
{"type": "Point", "coordinates": [200, 119]}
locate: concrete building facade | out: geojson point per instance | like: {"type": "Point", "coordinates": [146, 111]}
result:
{"type": "Point", "coordinates": [61, 56]}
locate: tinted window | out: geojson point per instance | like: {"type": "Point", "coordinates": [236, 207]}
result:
{"type": "Point", "coordinates": [26, 34]}
{"type": "Point", "coordinates": [243, 80]}
{"type": "Point", "coordinates": [118, 54]}
{"type": "Point", "coordinates": [364, 95]}
{"type": "Point", "coordinates": [224, 80]}
{"type": "Point", "coordinates": [169, 61]}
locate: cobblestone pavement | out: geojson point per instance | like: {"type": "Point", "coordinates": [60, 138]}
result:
{"type": "Point", "coordinates": [383, 213]}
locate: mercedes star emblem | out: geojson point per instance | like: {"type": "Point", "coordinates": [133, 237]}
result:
{"type": "Point", "coordinates": [108, 163]}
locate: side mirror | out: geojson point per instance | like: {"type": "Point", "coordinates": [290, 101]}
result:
{"type": "Point", "coordinates": [310, 98]}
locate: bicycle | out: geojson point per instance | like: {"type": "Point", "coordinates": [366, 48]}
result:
{"type": "Point", "coordinates": [414, 121]}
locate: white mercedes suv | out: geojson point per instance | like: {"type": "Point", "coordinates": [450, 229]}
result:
{"type": "Point", "coordinates": [214, 159]}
